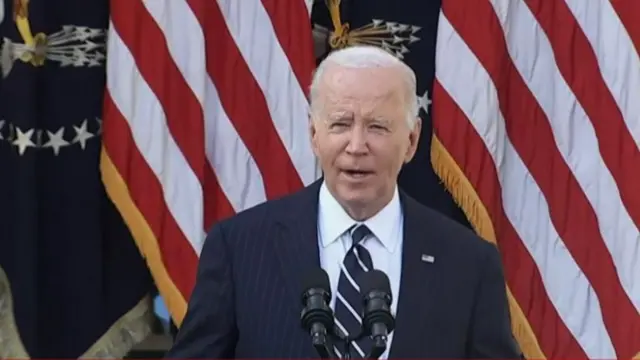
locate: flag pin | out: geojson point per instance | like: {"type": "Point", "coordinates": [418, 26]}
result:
{"type": "Point", "coordinates": [428, 258]}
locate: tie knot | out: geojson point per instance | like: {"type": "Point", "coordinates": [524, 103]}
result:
{"type": "Point", "coordinates": [359, 232]}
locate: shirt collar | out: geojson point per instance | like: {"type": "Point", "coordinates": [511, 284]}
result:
{"type": "Point", "coordinates": [333, 220]}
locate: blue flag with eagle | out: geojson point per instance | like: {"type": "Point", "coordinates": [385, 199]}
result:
{"type": "Point", "coordinates": [72, 282]}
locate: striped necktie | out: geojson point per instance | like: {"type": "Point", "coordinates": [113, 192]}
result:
{"type": "Point", "coordinates": [348, 307]}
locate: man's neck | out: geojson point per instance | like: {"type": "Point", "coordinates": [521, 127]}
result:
{"type": "Point", "coordinates": [361, 211]}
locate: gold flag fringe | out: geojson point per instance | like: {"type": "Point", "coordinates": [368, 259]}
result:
{"type": "Point", "coordinates": [144, 237]}
{"type": "Point", "coordinates": [468, 200]}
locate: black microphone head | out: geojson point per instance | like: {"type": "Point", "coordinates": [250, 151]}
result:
{"type": "Point", "coordinates": [375, 281]}
{"type": "Point", "coordinates": [376, 296]}
{"type": "Point", "coordinates": [316, 316]}
{"type": "Point", "coordinates": [317, 278]}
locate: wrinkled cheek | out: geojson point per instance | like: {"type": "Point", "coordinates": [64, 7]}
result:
{"type": "Point", "coordinates": [328, 162]}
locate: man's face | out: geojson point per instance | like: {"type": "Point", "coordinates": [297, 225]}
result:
{"type": "Point", "coordinates": [361, 135]}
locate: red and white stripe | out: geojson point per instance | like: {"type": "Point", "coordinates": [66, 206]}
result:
{"type": "Point", "coordinates": [538, 101]}
{"type": "Point", "coordinates": [206, 113]}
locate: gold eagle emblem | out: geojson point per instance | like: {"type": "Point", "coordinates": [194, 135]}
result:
{"type": "Point", "coordinates": [71, 46]}
{"type": "Point", "coordinates": [394, 37]}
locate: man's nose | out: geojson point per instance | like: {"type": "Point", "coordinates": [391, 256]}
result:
{"type": "Point", "coordinates": [357, 141]}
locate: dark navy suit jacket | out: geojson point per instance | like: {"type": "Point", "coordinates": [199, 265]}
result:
{"type": "Point", "coordinates": [247, 298]}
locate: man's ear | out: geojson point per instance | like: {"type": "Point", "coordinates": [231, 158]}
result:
{"type": "Point", "coordinates": [312, 135]}
{"type": "Point", "coordinates": [414, 139]}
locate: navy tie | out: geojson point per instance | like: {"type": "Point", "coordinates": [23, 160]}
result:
{"type": "Point", "coordinates": [348, 306]}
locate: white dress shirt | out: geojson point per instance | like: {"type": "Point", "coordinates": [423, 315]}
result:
{"type": "Point", "coordinates": [385, 246]}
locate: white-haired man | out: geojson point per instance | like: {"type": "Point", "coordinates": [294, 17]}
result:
{"type": "Point", "coordinates": [447, 284]}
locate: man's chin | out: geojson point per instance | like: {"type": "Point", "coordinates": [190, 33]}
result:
{"type": "Point", "coordinates": [356, 197]}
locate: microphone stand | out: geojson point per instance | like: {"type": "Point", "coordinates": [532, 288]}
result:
{"type": "Point", "coordinates": [323, 345]}
{"type": "Point", "coordinates": [346, 340]}
{"type": "Point", "coordinates": [347, 349]}
{"type": "Point", "coordinates": [378, 348]}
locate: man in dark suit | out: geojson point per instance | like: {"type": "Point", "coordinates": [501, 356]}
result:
{"type": "Point", "coordinates": [448, 288]}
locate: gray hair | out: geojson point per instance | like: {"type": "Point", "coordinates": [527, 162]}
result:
{"type": "Point", "coordinates": [368, 57]}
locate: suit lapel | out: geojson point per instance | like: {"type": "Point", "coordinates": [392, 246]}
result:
{"type": "Point", "coordinates": [418, 280]}
{"type": "Point", "coordinates": [296, 246]}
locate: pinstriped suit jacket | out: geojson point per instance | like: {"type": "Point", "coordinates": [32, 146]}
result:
{"type": "Point", "coordinates": [246, 302]}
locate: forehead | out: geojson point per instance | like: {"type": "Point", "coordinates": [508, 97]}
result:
{"type": "Point", "coordinates": [342, 85]}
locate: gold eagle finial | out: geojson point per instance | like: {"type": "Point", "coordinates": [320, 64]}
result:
{"type": "Point", "coordinates": [37, 42]}
{"type": "Point", "coordinates": [391, 36]}
{"type": "Point", "coordinates": [339, 38]}
{"type": "Point", "coordinates": [72, 45]}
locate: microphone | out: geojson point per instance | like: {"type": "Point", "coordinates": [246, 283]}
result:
{"type": "Point", "coordinates": [377, 320]}
{"type": "Point", "coordinates": [317, 316]}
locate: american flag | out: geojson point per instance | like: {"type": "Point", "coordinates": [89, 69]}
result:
{"type": "Point", "coordinates": [205, 115]}
{"type": "Point", "coordinates": [536, 122]}
{"type": "Point", "coordinates": [538, 104]}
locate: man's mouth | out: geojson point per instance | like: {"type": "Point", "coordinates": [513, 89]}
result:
{"type": "Point", "coordinates": [357, 173]}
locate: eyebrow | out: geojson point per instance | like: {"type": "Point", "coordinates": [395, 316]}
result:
{"type": "Point", "coordinates": [379, 120]}
{"type": "Point", "coordinates": [341, 116]}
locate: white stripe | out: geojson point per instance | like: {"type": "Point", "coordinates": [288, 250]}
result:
{"type": "Point", "coordinates": [617, 57]}
{"type": "Point", "coordinates": [468, 83]}
{"type": "Point", "coordinates": [235, 168]}
{"type": "Point", "coordinates": [185, 40]}
{"type": "Point", "coordinates": [362, 265]}
{"type": "Point", "coordinates": [338, 352]}
{"type": "Point", "coordinates": [348, 276]}
{"type": "Point", "coordinates": [141, 109]}
{"type": "Point", "coordinates": [358, 349]}
{"type": "Point", "coordinates": [309, 5]}
{"type": "Point", "coordinates": [348, 306]}
{"type": "Point", "coordinates": [342, 328]}
{"type": "Point", "coordinates": [575, 137]}
{"type": "Point", "coordinates": [251, 28]}
{"type": "Point", "coordinates": [354, 345]}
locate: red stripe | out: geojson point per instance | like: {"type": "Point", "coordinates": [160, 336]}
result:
{"type": "Point", "coordinates": [183, 112]}
{"type": "Point", "coordinates": [244, 102]}
{"type": "Point", "coordinates": [141, 34]}
{"type": "Point", "coordinates": [629, 13]}
{"type": "Point", "coordinates": [467, 148]}
{"type": "Point", "coordinates": [216, 204]}
{"type": "Point", "coordinates": [146, 193]}
{"type": "Point", "coordinates": [291, 23]}
{"type": "Point", "coordinates": [616, 144]}
{"type": "Point", "coordinates": [531, 135]}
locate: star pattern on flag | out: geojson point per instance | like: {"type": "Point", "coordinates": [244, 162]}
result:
{"type": "Point", "coordinates": [424, 102]}
{"type": "Point", "coordinates": [82, 134]}
{"type": "Point", "coordinates": [23, 140]}
{"type": "Point", "coordinates": [56, 141]}
{"type": "Point", "coordinates": [50, 139]}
